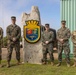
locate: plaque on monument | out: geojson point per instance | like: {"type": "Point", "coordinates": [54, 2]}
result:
{"type": "Point", "coordinates": [32, 31]}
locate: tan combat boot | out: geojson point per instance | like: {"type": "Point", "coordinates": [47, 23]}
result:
{"type": "Point", "coordinates": [74, 65]}
{"type": "Point", "coordinates": [18, 63]}
{"type": "Point", "coordinates": [8, 64]}
{"type": "Point", "coordinates": [52, 63]}
{"type": "Point", "coordinates": [44, 63]}
{"type": "Point", "coordinates": [68, 64]}
{"type": "Point", "coordinates": [1, 64]}
{"type": "Point", "coordinates": [59, 64]}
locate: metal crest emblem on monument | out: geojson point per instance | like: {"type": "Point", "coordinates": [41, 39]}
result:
{"type": "Point", "coordinates": [32, 31]}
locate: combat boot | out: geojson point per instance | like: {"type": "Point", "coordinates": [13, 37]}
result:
{"type": "Point", "coordinates": [8, 64]}
{"type": "Point", "coordinates": [68, 64]}
{"type": "Point", "coordinates": [59, 64]}
{"type": "Point", "coordinates": [18, 63]}
{"type": "Point", "coordinates": [52, 63]}
{"type": "Point", "coordinates": [74, 65]}
{"type": "Point", "coordinates": [1, 64]}
{"type": "Point", "coordinates": [44, 63]}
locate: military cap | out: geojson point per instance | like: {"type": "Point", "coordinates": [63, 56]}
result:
{"type": "Point", "coordinates": [13, 17]}
{"type": "Point", "coordinates": [63, 21]}
{"type": "Point", "coordinates": [47, 25]}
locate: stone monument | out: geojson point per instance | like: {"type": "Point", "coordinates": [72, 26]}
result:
{"type": "Point", "coordinates": [32, 53]}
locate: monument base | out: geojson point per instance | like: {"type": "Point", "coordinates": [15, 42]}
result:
{"type": "Point", "coordinates": [32, 52]}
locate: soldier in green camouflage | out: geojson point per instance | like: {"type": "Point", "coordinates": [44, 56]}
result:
{"type": "Point", "coordinates": [63, 35]}
{"type": "Point", "coordinates": [13, 35]}
{"type": "Point", "coordinates": [1, 36]}
{"type": "Point", "coordinates": [47, 44]}
{"type": "Point", "coordinates": [74, 46]}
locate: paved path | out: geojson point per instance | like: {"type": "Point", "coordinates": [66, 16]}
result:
{"type": "Point", "coordinates": [4, 54]}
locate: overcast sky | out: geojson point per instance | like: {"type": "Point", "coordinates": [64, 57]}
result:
{"type": "Point", "coordinates": [49, 11]}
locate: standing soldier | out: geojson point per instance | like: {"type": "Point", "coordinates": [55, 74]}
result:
{"type": "Point", "coordinates": [47, 43]}
{"type": "Point", "coordinates": [74, 46]}
{"type": "Point", "coordinates": [63, 35]}
{"type": "Point", "coordinates": [1, 36]}
{"type": "Point", "coordinates": [13, 36]}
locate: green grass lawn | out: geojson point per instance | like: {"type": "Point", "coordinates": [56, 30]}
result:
{"type": "Point", "coordinates": [33, 69]}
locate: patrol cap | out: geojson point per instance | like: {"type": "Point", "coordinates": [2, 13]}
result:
{"type": "Point", "coordinates": [63, 21]}
{"type": "Point", "coordinates": [13, 17]}
{"type": "Point", "coordinates": [47, 25]}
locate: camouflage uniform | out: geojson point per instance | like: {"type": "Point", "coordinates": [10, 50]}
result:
{"type": "Point", "coordinates": [47, 48]}
{"type": "Point", "coordinates": [74, 44]}
{"type": "Point", "coordinates": [13, 31]}
{"type": "Point", "coordinates": [1, 36]}
{"type": "Point", "coordinates": [63, 33]}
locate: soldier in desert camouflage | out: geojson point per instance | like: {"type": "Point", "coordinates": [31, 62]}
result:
{"type": "Point", "coordinates": [13, 35]}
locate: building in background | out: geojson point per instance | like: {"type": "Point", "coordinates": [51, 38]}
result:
{"type": "Point", "coordinates": [68, 13]}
